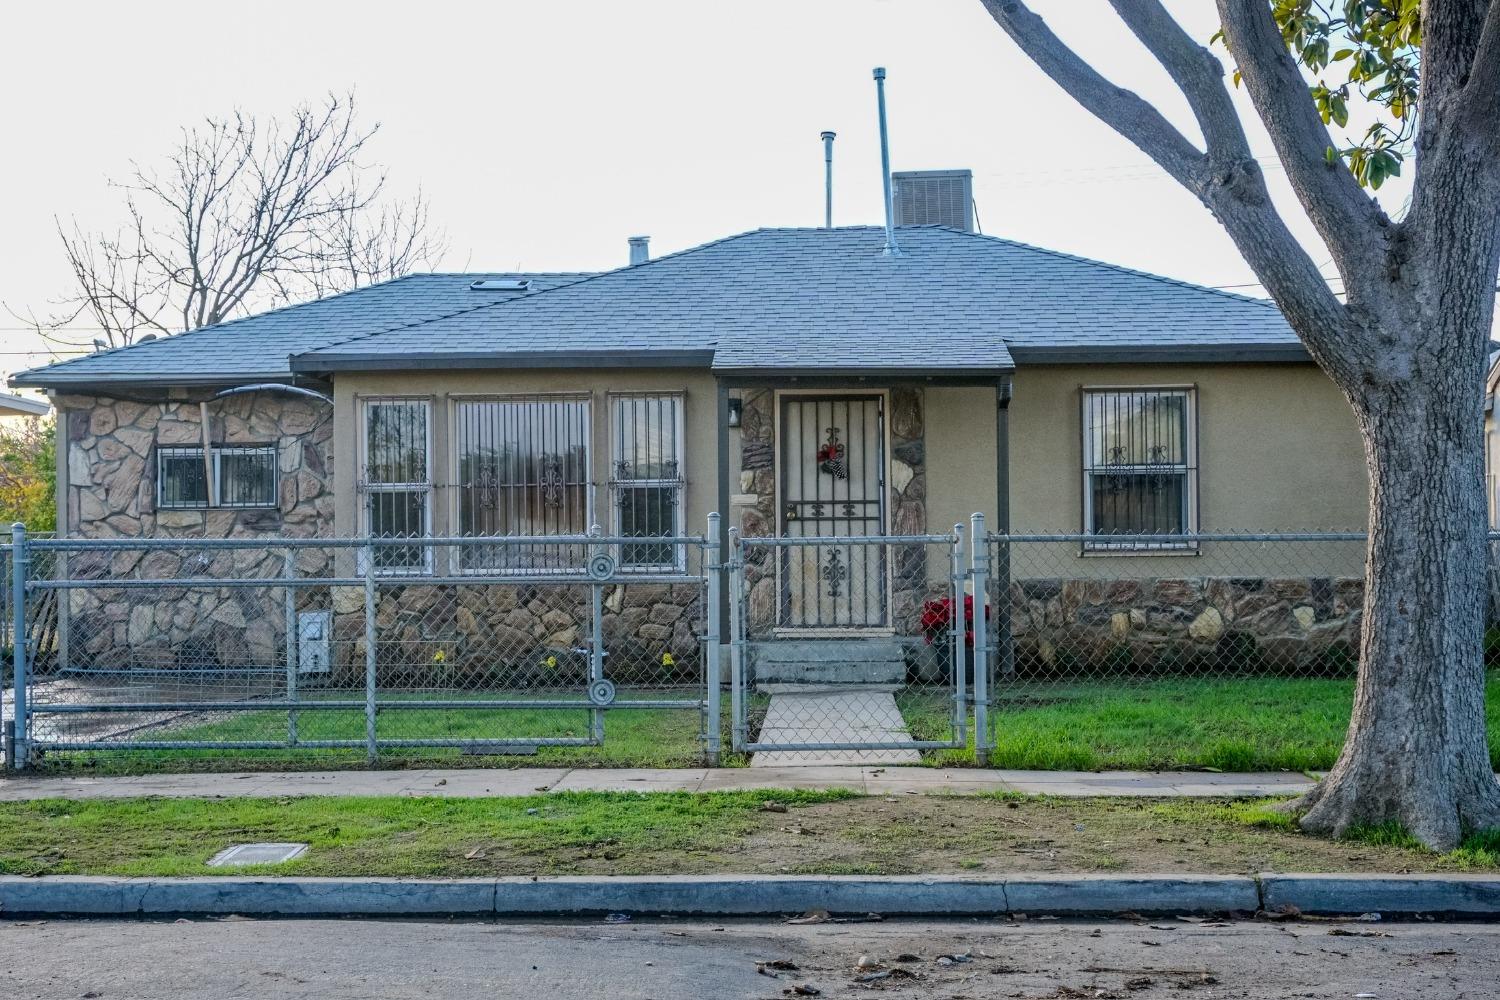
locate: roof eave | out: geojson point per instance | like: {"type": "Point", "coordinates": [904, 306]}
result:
{"type": "Point", "coordinates": [1161, 354]}
{"type": "Point", "coordinates": [37, 379]}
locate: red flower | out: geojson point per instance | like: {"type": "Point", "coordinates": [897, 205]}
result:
{"type": "Point", "coordinates": [937, 618]}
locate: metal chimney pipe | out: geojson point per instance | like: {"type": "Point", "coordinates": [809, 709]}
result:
{"type": "Point", "coordinates": [640, 249]}
{"type": "Point", "coordinates": [891, 250]}
{"type": "Point", "coordinates": [828, 138]}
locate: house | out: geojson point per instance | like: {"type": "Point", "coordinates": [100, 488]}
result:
{"type": "Point", "coordinates": [805, 382]}
{"type": "Point", "coordinates": [13, 405]}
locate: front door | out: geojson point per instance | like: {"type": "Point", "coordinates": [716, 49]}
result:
{"type": "Point", "coordinates": [832, 486]}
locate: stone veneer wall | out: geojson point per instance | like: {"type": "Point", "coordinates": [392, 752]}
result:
{"type": "Point", "coordinates": [111, 493]}
{"type": "Point", "coordinates": [906, 504]}
{"type": "Point", "coordinates": [487, 634]}
{"type": "Point", "coordinates": [501, 636]}
{"type": "Point", "coordinates": [1186, 625]}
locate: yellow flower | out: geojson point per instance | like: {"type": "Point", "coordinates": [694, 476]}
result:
{"type": "Point", "coordinates": [550, 663]}
{"type": "Point", "coordinates": [440, 657]}
{"type": "Point", "coordinates": [667, 661]}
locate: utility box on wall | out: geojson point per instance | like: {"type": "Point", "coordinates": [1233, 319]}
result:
{"type": "Point", "coordinates": [314, 641]}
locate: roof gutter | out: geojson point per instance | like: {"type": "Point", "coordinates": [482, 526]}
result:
{"type": "Point", "coordinates": [1161, 354]}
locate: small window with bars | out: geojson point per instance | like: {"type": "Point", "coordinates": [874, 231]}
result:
{"type": "Point", "coordinates": [1139, 467]}
{"type": "Point", "coordinates": [645, 482]}
{"type": "Point", "coordinates": [395, 481]}
{"type": "Point", "coordinates": [523, 471]}
{"type": "Point", "coordinates": [244, 476]}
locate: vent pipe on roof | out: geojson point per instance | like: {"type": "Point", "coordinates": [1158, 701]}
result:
{"type": "Point", "coordinates": [891, 250]}
{"type": "Point", "coordinates": [640, 249]}
{"type": "Point", "coordinates": [828, 138]}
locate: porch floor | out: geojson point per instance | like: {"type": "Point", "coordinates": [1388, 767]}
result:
{"type": "Point", "coordinates": [834, 715]}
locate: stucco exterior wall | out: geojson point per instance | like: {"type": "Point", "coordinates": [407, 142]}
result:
{"type": "Point", "coordinates": [1278, 449]}
{"type": "Point", "coordinates": [700, 465]}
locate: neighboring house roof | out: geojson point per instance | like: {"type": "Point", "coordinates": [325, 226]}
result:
{"type": "Point", "coordinates": [12, 405]}
{"type": "Point", "coordinates": [811, 300]}
{"type": "Point", "coordinates": [258, 347]}
{"type": "Point", "coordinates": [770, 300]}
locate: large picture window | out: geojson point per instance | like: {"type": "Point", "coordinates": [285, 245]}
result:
{"type": "Point", "coordinates": [1139, 466]}
{"type": "Point", "coordinates": [646, 476]}
{"type": "Point", "coordinates": [396, 482]}
{"type": "Point", "coordinates": [523, 471]}
{"type": "Point", "coordinates": [243, 476]}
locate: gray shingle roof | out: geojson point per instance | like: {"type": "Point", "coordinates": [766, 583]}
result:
{"type": "Point", "coordinates": [779, 300]}
{"type": "Point", "coordinates": [811, 299]}
{"type": "Point", "coordinates": [259, 346]}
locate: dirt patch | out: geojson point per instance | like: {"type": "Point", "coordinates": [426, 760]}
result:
{"type": "Point", "coordinates": [913, 835]}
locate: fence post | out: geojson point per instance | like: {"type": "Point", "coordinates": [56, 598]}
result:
{"type": "Point", "coordinates": [289, 601]}
{"type": "Point", "coordinates": [979, 560]}
{"type": "Point", "coordinates": [20, 560]}
{"type": "Point", "coordinates": [371, 748]}
{"type": "Point", "coordinates": [712, 559]}
{"type": "Point", "coordinates": [957, 631]}
{"type": "Point", "coordinates": [735, 566]}
{"type": "Point", "coordinates": [596, 639]}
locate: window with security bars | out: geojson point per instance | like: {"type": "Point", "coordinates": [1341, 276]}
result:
{"type": "Point", "coordinates": [396, 481]}
{"type": "Point", "coordinates": [1140, 466]}
{"type": "Point", "coordinates": [244, 475]}
{"type": "Point", "coordinates": [523, 471]}
{"type": "Point", "coordinates": [645, 481]}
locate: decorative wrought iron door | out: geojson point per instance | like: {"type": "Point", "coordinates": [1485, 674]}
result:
{"type": "Point", "coordinates": [833, 486]}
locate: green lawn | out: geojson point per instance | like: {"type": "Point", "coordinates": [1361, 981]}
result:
{"type": "Point", "coordinates": [1250, 724]}
{"type": "Point", "coordinates": [1232, 724]}
{"type": "Point", "coordinates": [604, 833]}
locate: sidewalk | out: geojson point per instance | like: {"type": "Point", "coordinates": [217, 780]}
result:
{"type": "Point", "coordinates": [471, 782]}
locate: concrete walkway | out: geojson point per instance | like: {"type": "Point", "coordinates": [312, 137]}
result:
{"type": "Point", "coordinates": [474, 782]}
{"type": "Point", "coordinates": [842, 714]}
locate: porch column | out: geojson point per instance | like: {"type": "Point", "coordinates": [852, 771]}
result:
{"type": "Point", "coordinates": [1005, 658]}
{"type": "Point", "coordinates": [722, 430]}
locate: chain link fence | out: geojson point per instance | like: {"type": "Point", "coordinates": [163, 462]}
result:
{"type": "Point", "coordinates": [850, 649]}
{"type": "Point", "coordinates": [315, 652]}
{"type": "Point", "coordinates": [1234, 651]}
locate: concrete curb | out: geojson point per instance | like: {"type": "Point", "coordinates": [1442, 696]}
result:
{"type": "Point", "coordinates": [752, 895]}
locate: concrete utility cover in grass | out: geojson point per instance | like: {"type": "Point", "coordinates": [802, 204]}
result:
{"type": "Point", "coordinates": [837, 715]}
{"type": "Point", "coordinates": [257, 854]}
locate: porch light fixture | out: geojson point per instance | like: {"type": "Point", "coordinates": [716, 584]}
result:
{"type": "Point", "coordinates": [736, 407]}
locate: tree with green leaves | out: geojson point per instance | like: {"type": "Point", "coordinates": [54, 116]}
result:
{"type": "Point", "coordinates": [1407, 345]}
{"type": "Point", "coordinates": [28, 474]}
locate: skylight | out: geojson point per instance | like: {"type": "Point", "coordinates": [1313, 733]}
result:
{"type": "Point", "coordinates": [501, 285]}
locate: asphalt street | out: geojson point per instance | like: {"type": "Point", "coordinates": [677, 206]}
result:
{"type": "Point", "coordinates": [335, 959]}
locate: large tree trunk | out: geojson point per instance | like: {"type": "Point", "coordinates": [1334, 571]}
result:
{"type": "Point", "coordinates": [1416, 752]}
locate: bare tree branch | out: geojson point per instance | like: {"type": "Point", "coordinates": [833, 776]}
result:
{"type": "Point", "coordinates": [244, 214]}
{"type": "Point", "coordinates": [1226, 179]}
{"type": "Point", "coordinates": [1197, 73]}
{"type": "Point", "coordinates": [1120, 109]}
{"type": "Point", "coordinates": [1349, 221]}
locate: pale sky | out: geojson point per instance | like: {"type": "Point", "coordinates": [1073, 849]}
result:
{"type": "Point", "coordinates": [545, 133]}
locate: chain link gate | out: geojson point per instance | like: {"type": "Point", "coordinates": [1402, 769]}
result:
{"type": "Point", "coordinates": [198, 647]}
{"type": "Point", "coordinates": [851, 649]}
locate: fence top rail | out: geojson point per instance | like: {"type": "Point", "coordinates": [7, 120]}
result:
{"type": "Point", "coordinates": [346, 542]}
{"type": "Point", "coordinates": [774, 540]}
{"type": "Point", "coordinates": [1177, 541]}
